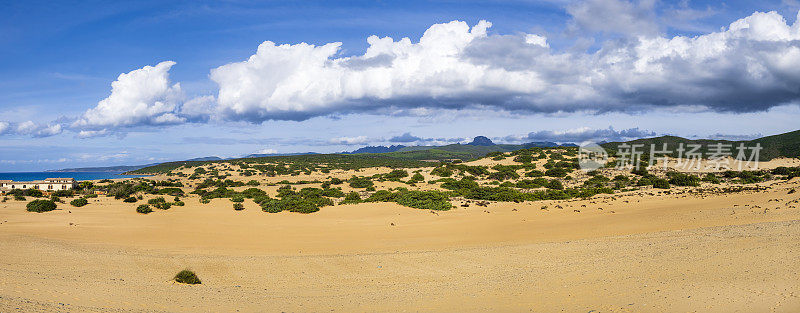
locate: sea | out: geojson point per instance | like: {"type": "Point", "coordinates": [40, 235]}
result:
{"type": "Point", "coordinates": [29, 176]}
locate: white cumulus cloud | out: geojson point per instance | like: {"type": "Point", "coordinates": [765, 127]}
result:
{"type": "Point", "coordinates": [266, 151]}
{"type": "Point", "coordinates": [615, 16]}
{"type": "Point", "coordinates": [300, 81]}
{"type": "Point", "coordinates": [33, 129]}
{"type": "Point", "coordinates": [141, 97]}
{"type": "Point", "coordinates": [357, 140]}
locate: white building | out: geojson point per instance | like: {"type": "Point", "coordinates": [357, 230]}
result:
{"type": "Point", "coordinates": [50, 184]}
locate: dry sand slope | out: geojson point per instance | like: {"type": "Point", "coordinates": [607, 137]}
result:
{"type": "Point", "coordinates": [675, 253]}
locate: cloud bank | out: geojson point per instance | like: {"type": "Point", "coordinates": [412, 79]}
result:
{"type": "Point", "coordinates": [588, 134]}
{"type": "Point", "coordinates": [749, 66]}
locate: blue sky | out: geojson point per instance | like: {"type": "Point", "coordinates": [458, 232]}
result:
{"type": "Point", "coordinates": [543, 70]}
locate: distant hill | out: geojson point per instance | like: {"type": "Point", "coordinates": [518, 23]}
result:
{"type": "Point", "coordinates": [376, 149]}
{"type": "Point", "coordinates": [546, 144]}
{"type": "Point", "coordinates": [104, 169]}
{"type": "Point", "coordinates": [481, 141]}
{"type": "Point", "coordinates": [120, 168]}
{"type": "Point", "coordinates": [209, 158]}
{"type": "Point", "coordinates": [782, 145]}
{"type": "Point", "coordinates": [264, 155]}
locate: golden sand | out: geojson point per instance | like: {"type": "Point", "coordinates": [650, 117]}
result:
{"type": "Point", "coordinates": [633, 252]}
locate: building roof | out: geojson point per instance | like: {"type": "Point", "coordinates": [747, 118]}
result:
{"type": "Point", "coordinates": [46, 181]}
{"type": "Point", "coordinates": [59, 179]}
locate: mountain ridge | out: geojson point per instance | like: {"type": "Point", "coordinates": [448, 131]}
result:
{"type": "Point", "coordinates": [780, 145]}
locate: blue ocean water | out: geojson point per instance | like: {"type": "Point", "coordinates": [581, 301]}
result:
{"type": "Point", "coordinates": [29, 176]}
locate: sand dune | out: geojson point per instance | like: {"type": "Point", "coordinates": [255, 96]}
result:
{"type": "Point", "coordinates": [627, 252]}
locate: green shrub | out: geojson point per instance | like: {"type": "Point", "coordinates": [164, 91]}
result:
{"type": "Point", "coordinates": [237, 199]}
{"type": "Point", "coordinates": [382, 196]}
{"type": "Point", "coordinates": [178, 203]}
{"type": "Point", "coordinates": [645, 181]}
{"type": "Point", "coordinates": [144, 209]}
{"type": "Point", "coordinates": [417, 178]}
{"type": "Point", "coordinates": [333, 192]}
{"type": "Point", "coordinates": [79, 202]}
{"type": "Point", "coordinates": [156, 201]}
{"type": "Point", "coordinates": [426, 200]}
{"type": "Point", "coordinates": [534, 173]}
{"type": "Point", "coordinates": [641, 171]}
{"type": "Point", "coordinates": [395, 175]}
{"type": "Point", "coordinates": [681, 179]}
{"type": "Point", "coordinates": [63, 193]}
{"type": "Point", "coordinates": [40, 206]}
{"type": "Point", "coordinates": [503, 172]}
{"type": "Point", "coordinates": [130, 199]}
{"type": "Point", "coordinates": [187, 277]}
{"type": "Point", "coordinates": [292, 204]}
{"type": "Point", "coordinates": [252, 193]}
{"type": "Point", "coordinates": [523, 158]}
{"type": "Point", "coordinates": [660, 183]}
{"type": "Point", "coordinates": [508, 184]}
{"type": "Point", "coordinates": [238, 206]}
{"type": "Point", "coordinates": [555, 184]}
{"type": "Point", "coordinates": [361, 182]}
{"type": "Point", "coordinates": [556, 172]}
{"type": "Point", "coordinates": [442, 172]}
{"type": "Point", "coordinates": [711, 178]}
{"type": "Point", "coordinates": [351, 198]}
{"type": "Point", "coordinates": [528, 184]}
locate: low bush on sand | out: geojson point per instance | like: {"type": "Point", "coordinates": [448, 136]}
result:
{"type": "Point", "coordinates": [238, 206]}
{"type": "Point", "coordinates": [360, 182]}
{"type": "Point", "coordinates": [681, 179]}
{"type": "Point", "coordinates": [295, 203]}
{"type": "Point", "coordinates": [40, 206]}
{"type": "Point", "coordinates": [79, 202]}
{"type": "Point", "coordinates": [156, 201]}
{"type": "Point", "coordinates": [351, 198]}
{"type": "Point", "coordinates": [187, 277]}
{"type": "Point", "coordinates": [426, 200]}
{"type": "Point", "coordinates": [144, 209]}
{"type": "Point", "coordinates": [130, 200]}
{"type": "Point", "coordinates": [660, 183]}
{"type": "Point", "coordinates": [159, 203]}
